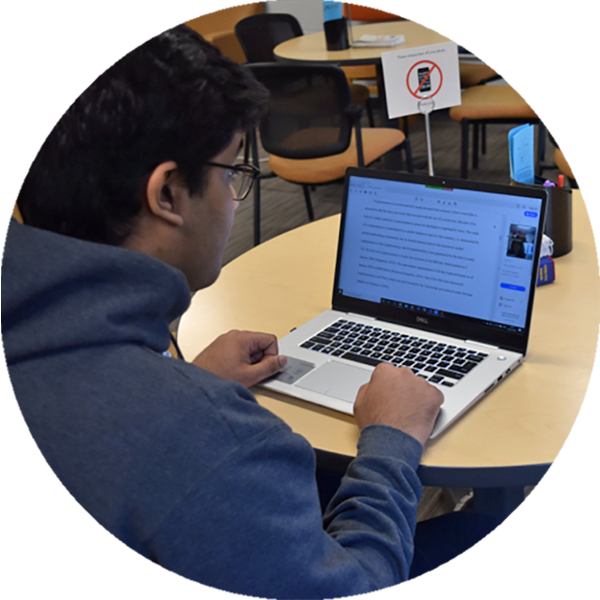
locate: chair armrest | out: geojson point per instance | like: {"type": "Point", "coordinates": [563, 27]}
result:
{"type": "Point", "coordinates": [354, 112]}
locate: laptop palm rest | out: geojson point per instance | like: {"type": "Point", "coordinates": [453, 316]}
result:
{"type": "Point", "coordinates": [337, 380]}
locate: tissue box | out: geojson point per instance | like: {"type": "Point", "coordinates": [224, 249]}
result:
{"type": "Point", "coordinates": [546, 270]}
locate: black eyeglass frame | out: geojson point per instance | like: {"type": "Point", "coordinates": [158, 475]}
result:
{"type": "Point", "coordinates": [246, 169]}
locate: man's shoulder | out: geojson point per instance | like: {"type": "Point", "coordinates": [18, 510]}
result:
{"type": "Point", "coordinates": [227, 402]}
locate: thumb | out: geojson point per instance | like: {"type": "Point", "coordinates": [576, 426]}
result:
{"type": "Point", "coordinates": [269, 365]}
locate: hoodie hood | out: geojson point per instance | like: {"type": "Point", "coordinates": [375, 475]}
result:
{"type": "Point", "coordinates": [60, 293]}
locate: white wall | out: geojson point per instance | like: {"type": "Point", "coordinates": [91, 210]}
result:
{"type": "Point", "coordinates": [531, 17]}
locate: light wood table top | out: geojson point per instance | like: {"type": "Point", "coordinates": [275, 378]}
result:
{"type": "Point", "coordinates": [312, 47]}
{"type": "Point", "coordinates": [524, 421]}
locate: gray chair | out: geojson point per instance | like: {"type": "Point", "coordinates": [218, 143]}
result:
{"type": "Point", "coordinates": [312, 130]}
{"type": "Point", "coordinates": [260, 34]}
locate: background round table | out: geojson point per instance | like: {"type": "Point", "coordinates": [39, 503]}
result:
{"type": "Point", "coordinates": [313, 47]}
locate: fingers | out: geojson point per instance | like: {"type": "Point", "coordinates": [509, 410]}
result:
{"type": "Point", "coordinates": [268, 366]}
{"type": "Point", "coordinates": [243, 356]}
{"type": "Point", "coordinates": [257, 343]}
{"type": "Point", "coordinates": [398, 398]}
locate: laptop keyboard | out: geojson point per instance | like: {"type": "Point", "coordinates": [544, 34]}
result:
{"type": "Point", "coordinates": [439, 363]}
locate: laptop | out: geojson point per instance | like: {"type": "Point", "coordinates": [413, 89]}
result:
{"type": "Point", "coordinates": [434, 274]}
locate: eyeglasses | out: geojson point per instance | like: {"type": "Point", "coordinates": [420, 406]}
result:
{"type": "Point", "coordinates": [241, 178]}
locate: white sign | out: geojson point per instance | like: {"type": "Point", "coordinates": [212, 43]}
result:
{"type": "Point", "coordinates": [415, 76]}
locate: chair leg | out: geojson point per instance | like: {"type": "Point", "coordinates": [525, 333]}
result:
{"type": "Point", "coordinates": [369, 106]}
{"type": "Point", "coordinates": [393, 160]}
{"type": "Point", "coordinates": [257, 212]}
{"type": "Point", "coordinates": [309, 207]}
{"type": "Point", "coordinates": [483, 139]}
{"type": "Point", "coordinates": [247, 147]}
{"type": "Point", "coordinates": [464, 149]}
{"type": "Point", "coordinates": [253, 146]}
{"type": "Point", "coordinates": [404, 126]}
{"type": "Point", "coordinates": [408, 154]}
{"type": "Point", "coordinates": [475, 150]}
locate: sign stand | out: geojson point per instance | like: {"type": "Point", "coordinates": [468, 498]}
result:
{"type": "Point", "coordinates": [421, 80]}
{"type": "Point", "coordinates": [426, 105]}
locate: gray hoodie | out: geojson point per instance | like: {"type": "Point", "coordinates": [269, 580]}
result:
{"type": "Point", "coordinates": [182, 466]}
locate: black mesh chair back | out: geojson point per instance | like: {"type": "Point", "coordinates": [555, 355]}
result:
{"type": "Point", "coordinates": [259, 34]}
{"type": "Point", "coordinates": [562, 15]}
{"type": "Point", "coordinates": [495, 13]}
{"type": "Point", "coordinates": [310, 110]}
{"type": "Point", "coordinates": [572, 82]}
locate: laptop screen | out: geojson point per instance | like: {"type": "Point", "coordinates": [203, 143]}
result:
{"type": "Point", "coordinates": [449, 255]}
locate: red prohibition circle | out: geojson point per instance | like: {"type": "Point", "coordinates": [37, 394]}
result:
{"type": "Point", "coordinates": [433, 68]}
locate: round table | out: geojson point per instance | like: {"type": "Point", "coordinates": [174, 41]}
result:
{"type": "Point", "coordinates": [507, 441]}
{"type": "Point", "coordinates": [313, 48]}
{"type": "Point", "coordinates": [541, 419]}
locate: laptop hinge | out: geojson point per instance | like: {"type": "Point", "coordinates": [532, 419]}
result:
{"type": "Point", "coordinates": [357, 316]}
{"type": "Point", "coordinates": [488, 346]}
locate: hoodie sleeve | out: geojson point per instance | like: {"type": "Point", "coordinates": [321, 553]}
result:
{"type": "Point", "coordinates": [254, 525]}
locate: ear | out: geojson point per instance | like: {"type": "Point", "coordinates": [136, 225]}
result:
{"type": "Point", "coordinates": [163, 193]}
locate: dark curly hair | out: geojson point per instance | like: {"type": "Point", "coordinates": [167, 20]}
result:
{"type": "Point", "coordinates": [176, 97]}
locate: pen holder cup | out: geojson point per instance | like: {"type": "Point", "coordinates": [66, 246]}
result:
{"type": "Point", "coordinates": [559, 217]}
{"type": "Point", "coordinates": [336, 34]}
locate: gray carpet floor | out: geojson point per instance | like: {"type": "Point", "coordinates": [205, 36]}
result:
{"type": "Point", "coordinates": [562, 520]}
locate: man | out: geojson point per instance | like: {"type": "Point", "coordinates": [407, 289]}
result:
{"type": "Point", "coordinates": [127, 208]}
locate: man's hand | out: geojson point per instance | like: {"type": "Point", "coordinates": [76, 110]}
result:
{"type": "Point", "coordinates": [242, 356]}
{"type": "Point", "coordinates": [398, 398]}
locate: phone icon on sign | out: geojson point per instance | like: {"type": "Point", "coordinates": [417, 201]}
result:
{"type": "Point", "coordinates": [423, 74]}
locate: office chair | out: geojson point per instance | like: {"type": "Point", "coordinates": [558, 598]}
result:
{"type": "Point", "coordinates": [572, 86]}
{"type": "Point", "coordinates": [312, 130]}
{"type": "Point", "coordinates": [487, 104]}
{"type": "Point", "coordinates": [259, 34]}
{"type": "Point", "coordinates": [495, 13]}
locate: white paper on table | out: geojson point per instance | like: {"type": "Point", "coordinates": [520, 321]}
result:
{"type": "Point", "coordinates": [378, 41]}
{"type": "Point", "coordinates": [412, 74]}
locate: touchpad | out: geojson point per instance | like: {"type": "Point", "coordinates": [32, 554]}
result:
{"type": "Point", "coordinates": [337, 380]}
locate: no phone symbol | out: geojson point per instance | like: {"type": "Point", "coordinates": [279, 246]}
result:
{"type": "Point", "coordinates": [424, 79]}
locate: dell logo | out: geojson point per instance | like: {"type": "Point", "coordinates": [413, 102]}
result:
{"type": "Point", "coordinates": [423, 320]}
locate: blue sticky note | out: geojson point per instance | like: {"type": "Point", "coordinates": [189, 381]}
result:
{"type": "Point", "coordinates": [521, 154]}
{"type": "Point", "coordinates": [332, 11]}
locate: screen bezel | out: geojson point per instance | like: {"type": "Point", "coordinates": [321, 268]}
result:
{"type": "Point", "coordinates": [463, 328]}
